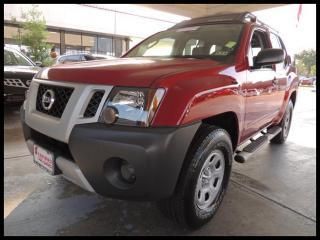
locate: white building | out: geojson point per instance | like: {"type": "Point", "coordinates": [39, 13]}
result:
{"type": "Point", "coordinates": [97, 28]}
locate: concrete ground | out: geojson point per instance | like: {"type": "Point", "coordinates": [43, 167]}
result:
{"type": "Point", "coordinates": [273, 194]}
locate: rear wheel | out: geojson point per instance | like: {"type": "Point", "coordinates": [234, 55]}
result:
{"type": "Point", "coordinates": [285, 124]}
{"type": "Point", "coordinates": [203, 180]}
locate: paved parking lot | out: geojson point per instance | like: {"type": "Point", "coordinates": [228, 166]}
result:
{"type": "Point", "coordinates": [273, 194]}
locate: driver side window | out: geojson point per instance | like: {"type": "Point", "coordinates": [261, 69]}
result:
{"type": "Point", "coordinates": [258, 42]}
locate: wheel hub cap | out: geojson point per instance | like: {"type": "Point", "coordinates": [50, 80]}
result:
{"type": "Point", "coordinates": [210, 180]}
{"type": "Point", "coordinates": [287, 124]}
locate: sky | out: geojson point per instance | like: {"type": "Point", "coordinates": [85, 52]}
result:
{"type": "Point", "coordinates": [284, 19]}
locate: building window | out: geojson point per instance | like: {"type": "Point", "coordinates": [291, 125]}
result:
{"type": "Point", "coordinates": [89, 43]}
{"type": "Point", "coordinates": [105, 46]}
{"type": "Point", "coordinates": [53, 38]}
{"type": "Point", "coordinates": [73, 43]}
{"type": "Point", "coordinates": [117, 47]}
{"type": "Point", "coordinates": [10, 34]}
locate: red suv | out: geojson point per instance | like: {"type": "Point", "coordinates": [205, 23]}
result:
{"type": "Point", "coordinates": [166, 120]}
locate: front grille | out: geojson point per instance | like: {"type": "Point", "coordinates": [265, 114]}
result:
{"type": "Point", "coordinates": [62, 95]}
{"type": "Point", "coordinates": [13, 82]}
{"type": "Point", "coordinates": [93, 104]}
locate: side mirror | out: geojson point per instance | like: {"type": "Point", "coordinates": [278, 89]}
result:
{"type": "Point", "coordinates": [269, 56]}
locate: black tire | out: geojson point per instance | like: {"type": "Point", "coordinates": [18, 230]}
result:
{"type": "Point", "coordinates": [182, 207]}
{"type": "Point", "coordinates": [282, 136]}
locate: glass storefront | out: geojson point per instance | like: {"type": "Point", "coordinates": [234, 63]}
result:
{"type": "Point", "coordinates": [89, 43]}
{"type": "Point", "coordinates": [105, 46]}
{"type": "Point", "coordinates": [11, 34]}
{"type": "Point", "coordinates": [74, 41]}
{"type": "Point", "coordinates": [53, 38]}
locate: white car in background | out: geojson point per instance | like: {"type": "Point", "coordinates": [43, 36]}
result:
{"type": "Point", "coordinates": [103, 56]}
{"type": "Point", "coordinates": [79, 57]}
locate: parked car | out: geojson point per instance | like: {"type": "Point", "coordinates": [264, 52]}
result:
{"type": "Point", "coordinates": [308, 81]}
{"type": "Point", "coordinates": [103, 56]}
{"type": "Point", "coordinates": [67, 58]}
{"type": "Point", "coordinates": [165, 121]}
{"type": "Point", "coordinates": [18, 73]}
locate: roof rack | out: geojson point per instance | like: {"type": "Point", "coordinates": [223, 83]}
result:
{"type": "Point", "coordinates": [253, 18]}
{"type": "Point", "coordinates": [224, 17]}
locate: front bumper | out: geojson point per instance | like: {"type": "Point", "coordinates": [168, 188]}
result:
{"type": "Point", "coordinates": [157, 155]}
{"type": "Point", "coordinates": [13, 98]}
{"type": "Point", "coordinates": [12, 94]}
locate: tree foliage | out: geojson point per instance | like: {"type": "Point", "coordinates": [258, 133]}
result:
{"type": "Point", "coordinates": [34, 34]}
{"type": "Point", "coordinates": [306, 62]}
{"type": "Point", "coordinates": [313, 70]}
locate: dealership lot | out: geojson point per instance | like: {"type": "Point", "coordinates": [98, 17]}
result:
{"type": "Point", "coordinates": [274, 193]}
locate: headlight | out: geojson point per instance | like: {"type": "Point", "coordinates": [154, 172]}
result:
{"type": "Point", "coordinates": [131, 106]}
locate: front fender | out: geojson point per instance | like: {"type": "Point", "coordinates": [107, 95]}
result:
{"type": "Point", "coordinates": [291, 87]}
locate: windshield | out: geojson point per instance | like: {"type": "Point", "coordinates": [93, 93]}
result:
{"type": "Point", "coordinates": [217, 41]}
{"type": "Point", "coordinates": [12, 58]}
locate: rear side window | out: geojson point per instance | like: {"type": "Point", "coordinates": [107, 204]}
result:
{"type": "Point", "coordinates": [73, 58]}
{"type": "Point", "coordinates": [88, 58]}
{"type": "Point", "coordinates": [70, 58]}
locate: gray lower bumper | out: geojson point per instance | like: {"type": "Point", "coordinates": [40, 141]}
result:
{"type": "Point", "coordinates": [95, 153]}
{"type": "Point", "coordinates": [69, 170]}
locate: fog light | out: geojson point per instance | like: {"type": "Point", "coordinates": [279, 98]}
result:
{"type": "Point", "coordinates": [127, 172]}
{"type": "Point", "coordinates": [110, 115]}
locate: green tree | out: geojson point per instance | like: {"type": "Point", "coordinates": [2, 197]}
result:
{"type": "Point", "coordinates": [305, 61]}
{"type": "Point", "coordinates": [313, 71]}
{"type": "Point", "coordinates": [301, 68]}
{"type": "Point", "coordinates": [34, 34]}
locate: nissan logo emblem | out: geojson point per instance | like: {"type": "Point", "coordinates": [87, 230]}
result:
{"type": "Point", "coordinates": [48, 99]}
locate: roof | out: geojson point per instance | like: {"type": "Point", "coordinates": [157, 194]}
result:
{"type": "Point", "coordinates": [201, 10]}
{"type": "Point", "coordinates": [223, 18]}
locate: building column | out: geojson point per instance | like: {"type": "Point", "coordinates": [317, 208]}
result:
{"type": "Point", "coordinates": [62, 43]}
{"type": "Point", "coordinates": [127, 40]}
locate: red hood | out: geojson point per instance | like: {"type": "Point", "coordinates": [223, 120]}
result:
{"type": "Point", "coordinates": [138, 72]}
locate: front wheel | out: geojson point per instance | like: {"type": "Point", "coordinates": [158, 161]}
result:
{"type": "Point", "coordinates": [285, 124]}
{"type": "Point", "coordinates": [203, 180]}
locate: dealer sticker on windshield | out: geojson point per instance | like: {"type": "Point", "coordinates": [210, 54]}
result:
{"type": "Point", "coordinates": [230, 44]}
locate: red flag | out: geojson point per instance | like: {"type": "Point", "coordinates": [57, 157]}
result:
{"type": "Point", "coordinates": [299, 14]}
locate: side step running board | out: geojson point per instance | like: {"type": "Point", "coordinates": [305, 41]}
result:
{"type": "Point", "coordinates": [255, 145]}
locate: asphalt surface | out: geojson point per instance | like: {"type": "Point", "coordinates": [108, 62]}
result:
{"type": "Point", "coordinates": [272, 194]}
